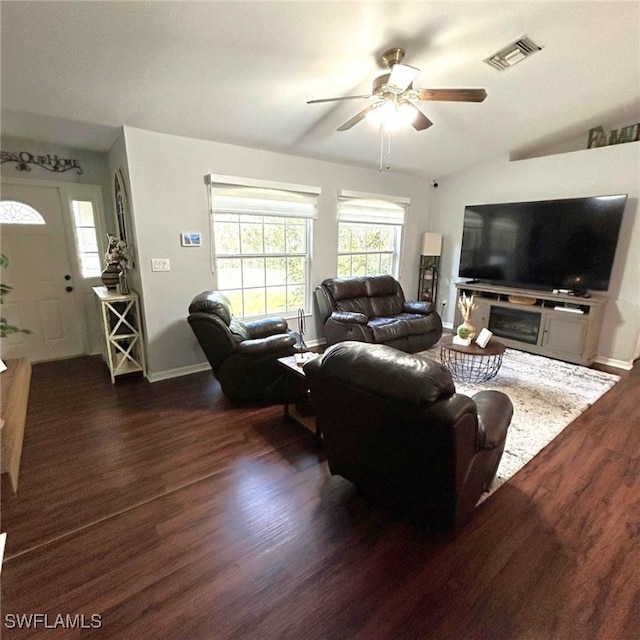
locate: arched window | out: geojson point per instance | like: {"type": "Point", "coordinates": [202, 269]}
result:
{"type": "Point", "coordinates": [12, 212]}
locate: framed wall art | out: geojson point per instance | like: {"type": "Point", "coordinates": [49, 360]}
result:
{"type": "Point", "coordinates": [120, 199]}
{"type": "Point", "coordinates": [191, 239]}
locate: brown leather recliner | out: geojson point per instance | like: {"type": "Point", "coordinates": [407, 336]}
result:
{"type": "Point", "coordinates": [243, 356]}
{"type": "Point", "coordinates": [374, 309]}
{"type": "Point", "coordinates": [393, 424]}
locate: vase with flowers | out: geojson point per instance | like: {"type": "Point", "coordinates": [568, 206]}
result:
{"type": "Point", "coordinates": [467, 306]}
{"type": "Point", "coordinates": [118, 260]}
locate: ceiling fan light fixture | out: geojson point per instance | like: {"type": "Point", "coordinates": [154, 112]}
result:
{"type": "Point", "coordinates": [394, 96]}
{"type": "Point", "coordinates": [383, 115]}
{"type": "Point", "coordinates": [391, 116]}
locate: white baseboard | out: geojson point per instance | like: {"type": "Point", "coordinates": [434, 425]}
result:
{"type": "Point", "coordinates": [618, 364]}
{"type": "Point", "coordinates": [178, 372]}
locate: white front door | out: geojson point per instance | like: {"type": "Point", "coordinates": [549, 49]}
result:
{"type": "Point", "coordinates": [43, 298]}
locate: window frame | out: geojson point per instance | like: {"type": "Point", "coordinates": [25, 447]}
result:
{"type": "Point", "coordinates": [219, 188]}
{"type": "Point", "coordinates": [373, 210]}
{"type": "Point", "coordinates": [394, 253]}
{"type": "Point", "coordinates": [83, 192]}
{"type": "Point", "coordinates": [78, 251]}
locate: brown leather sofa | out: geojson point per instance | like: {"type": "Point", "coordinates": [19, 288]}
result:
{"type": "Point", "coordinates": [243, 356]}
{"type": "Point", "coordinates": [393, 424]}
{"type": "Point", "coordinates": [373, 309]}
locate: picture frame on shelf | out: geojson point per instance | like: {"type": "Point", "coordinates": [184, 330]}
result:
{"type": "Point", "coordinates": [483, 338]}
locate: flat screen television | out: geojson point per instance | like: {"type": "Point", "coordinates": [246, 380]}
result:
{"type": "Point", "coordinates": [549, 244]}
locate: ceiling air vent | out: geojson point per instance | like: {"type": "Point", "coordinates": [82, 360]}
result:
{"type": "Point", "coordinates": [513, 53]}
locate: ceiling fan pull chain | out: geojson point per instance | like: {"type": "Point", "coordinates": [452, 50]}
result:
{"type": "Point", "coordinates": [384, 165]}
{"type": "Point", "coordinates": [389, 150]}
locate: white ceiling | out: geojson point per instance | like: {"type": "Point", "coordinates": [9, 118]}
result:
{"type": "Point", "coordinates": [241, 72]}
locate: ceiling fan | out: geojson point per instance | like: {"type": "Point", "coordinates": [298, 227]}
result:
{"type": "Point", "coordinates": [394, 93]}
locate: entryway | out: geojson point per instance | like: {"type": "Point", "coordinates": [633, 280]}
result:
{"type": "Point", "coordinates": [47, 295]}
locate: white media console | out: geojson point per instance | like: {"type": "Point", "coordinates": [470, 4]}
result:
{"type": "Point", "coordinates": [557, 325]}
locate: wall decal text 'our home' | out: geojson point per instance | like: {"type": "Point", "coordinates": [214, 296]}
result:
{"type": "Point", "coordinates": [53, 163]}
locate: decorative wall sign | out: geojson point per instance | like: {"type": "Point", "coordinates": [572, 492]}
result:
{"type": "Point", "coordinates": [53, 163]}
{"type": "Point", "coordinates": [598, 137]}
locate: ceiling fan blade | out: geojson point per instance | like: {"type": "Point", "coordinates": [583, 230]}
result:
{"type": "Point", "coordinates": [452, 95]}
{"type": "Point", "coordinates": [358, 117]}
{"type": "Point", "coordinates": [420, 122]}
{"type": "Point", "coordinates": [334, 99]}
{"type": "Point", "coordinates": [402, 75]}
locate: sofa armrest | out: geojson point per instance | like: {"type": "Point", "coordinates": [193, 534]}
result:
{"type": "Point", "coordinates": [495, 411]}
{"type": "Point", "coordinates": [266, 327]}
{"type": "Point", "coordinates": [349, 317]}
{"type": "Point", "coordinates": [418, 306]}
{"type": "Point", "coordinates": [270, 344]}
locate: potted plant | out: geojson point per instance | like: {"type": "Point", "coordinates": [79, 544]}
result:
{"type": "Point", "coordinates": [467, 306]}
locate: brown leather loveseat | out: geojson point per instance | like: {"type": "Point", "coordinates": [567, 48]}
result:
{"type": "Point", "coordinates": [393, 424]}
{"type": "Point", "coordinates": [373, 309]}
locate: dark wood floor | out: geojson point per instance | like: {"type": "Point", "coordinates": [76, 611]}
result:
{"type": "Point", "coordinates": [172, 514]}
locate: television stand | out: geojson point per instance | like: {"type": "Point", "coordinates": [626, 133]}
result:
{"type": "Point", "coordinates": [556, 325]}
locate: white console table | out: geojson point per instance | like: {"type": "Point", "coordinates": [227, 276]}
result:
{"type": "Point", "coordinates": [555, 325]}
{"type": "Point", "coordinates": [123, 336]}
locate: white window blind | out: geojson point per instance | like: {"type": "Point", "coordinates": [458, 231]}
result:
{"type": "Point", "coordinates": [260, 197]}
{"type": "Point", "coordinates": [374, 211]}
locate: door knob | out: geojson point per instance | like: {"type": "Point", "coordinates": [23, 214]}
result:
{"type": "Point", "coordinates": [67, 277]}
{"type": "Point", "coordinates": [69, 289]}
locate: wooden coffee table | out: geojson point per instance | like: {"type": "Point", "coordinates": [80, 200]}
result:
{"type": "Point", "coordinates": [472, 363]}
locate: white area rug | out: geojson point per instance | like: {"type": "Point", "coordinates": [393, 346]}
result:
{"type": "Point", "coordinates": [546, 395]}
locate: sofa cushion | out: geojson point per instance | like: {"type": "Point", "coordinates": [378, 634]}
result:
{"type": "Point", "coordinates": [386, 329]}
{"type": "Point", "coordinates": [377, 286]}
{"type": "Point", "coordinates": [386, 305]}
{"type": "Point", "coordinates": [346, 289]}
{"type": "Point", "coordinates": [404, 324]}
{"type": "Point", "coordinates": [385, 295]}
{"type": "Point", "coordinates": [356, 305]}
{"type": "Point", "coordinates": [417, 323]}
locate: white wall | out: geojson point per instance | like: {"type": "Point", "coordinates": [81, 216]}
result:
{"type": "Point", "coordinates": [605, 170]}
{"type": "Point", "coordinates": [168, 196]}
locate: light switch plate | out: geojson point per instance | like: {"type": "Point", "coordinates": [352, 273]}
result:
{"type": "Point", "coordinates": [160, 264]}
